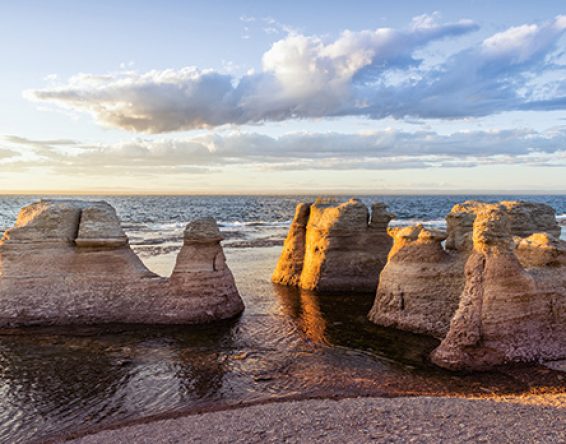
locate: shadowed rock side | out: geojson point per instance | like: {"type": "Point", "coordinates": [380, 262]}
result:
{"type": "Point", "coordinates": [420, 287]}
{"type": "Point", "coordinates": [496, 292]}
{"type": "Point", "coordinates": [69, 262]}
{"type": "Point", "coordinates": [335, 247]}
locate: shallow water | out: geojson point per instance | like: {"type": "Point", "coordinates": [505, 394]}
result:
{"type": "Point", "coordinates": [288, 343]}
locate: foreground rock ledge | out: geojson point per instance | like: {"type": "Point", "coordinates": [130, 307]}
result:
{"type": "Point", "coordinates": [69, 262]}
{"type": "Point", "coordinates": [495, 294]}
{"type": "Point", "coordinates": [335, 246]}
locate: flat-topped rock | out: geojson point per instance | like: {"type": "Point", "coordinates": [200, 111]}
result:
{"type": "Point", "coordinates": [539, 250]}
{"type": "Point", "coordinates": [46, 220]}
{"type": "Point", "coordinates": [69, 262]}
{"type": "Point", "coordinates": [419, 288]}
{"type": "Point", "coordinates": [202, 230]}
{"type": "Point", "coordinates": [333, 246]}
{"type": "Point", "coordinates": [525, 218]}
{"type": "Point", "coordinates": [100, 227]}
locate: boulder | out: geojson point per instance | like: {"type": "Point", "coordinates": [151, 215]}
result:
{"type": "Point", "coordinates": [493, 256]}
{"type": "Point", "coordinates": [69, 262]}
{"type": "Point", "coordinates": [334, 246]}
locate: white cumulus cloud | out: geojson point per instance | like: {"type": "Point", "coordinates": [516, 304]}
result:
{"type": "Point", "coordinates": [371, 73]}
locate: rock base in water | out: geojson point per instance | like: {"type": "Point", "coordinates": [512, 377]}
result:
{"type": "Point", "coordinates": [335, 247]}
{"type": "Point", "coordinates": [69, 262]}
{"type": "Point", "coordinates": [495, 294]}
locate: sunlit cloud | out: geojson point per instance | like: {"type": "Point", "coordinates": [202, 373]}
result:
{"type": "Point", "coordinates": [7, 154]}
{"type": "Point", "coordinates": [301, 76]}
{"type": "Point", "coordinates": [372, 73]}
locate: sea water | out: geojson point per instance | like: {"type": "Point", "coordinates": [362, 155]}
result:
{"type": "Point", "coordinates": [287, 344]}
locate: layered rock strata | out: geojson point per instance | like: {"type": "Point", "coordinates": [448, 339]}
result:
{"type": "Point", "coordinates": [495, 292]}
{"type": "Point", "coordinates": [69, 262]}
{"type": "Point", "coordinates": [513, 307]}
{"type": "Point", "coordinates": [335, 247]}
{"type": "Point", "coordinates": [419, 288]}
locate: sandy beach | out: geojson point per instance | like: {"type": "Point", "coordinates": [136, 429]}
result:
{"type": "Point", "coordinates": [423, 420]}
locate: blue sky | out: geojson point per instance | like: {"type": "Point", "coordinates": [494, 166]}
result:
{"type": "Point", "coordinates": [211, 96]}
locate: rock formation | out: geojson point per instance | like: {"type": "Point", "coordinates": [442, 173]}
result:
{"type": "Point", "coordinates": [335, 247]}
{"type": "Point", "coordinates": [495, 294]}
{"type": "Point", "coordinates": [507, 312]}
{"type": "Point", "coordinates": [525, 218]}
{"type": "Point", "coordinates": [69, 262]}
{"type": "Point", "coordinates": [419, 288]}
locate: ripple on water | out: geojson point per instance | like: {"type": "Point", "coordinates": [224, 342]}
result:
{"type": "Point", "coordinates": [287, 343]}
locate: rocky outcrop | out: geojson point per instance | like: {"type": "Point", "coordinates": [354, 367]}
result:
{"type": "Point", "coordinates": [420, 287]}
{"type": "Point", "coordinates": [69, 262]}
{"type": "Point", "coordinates": [507, 313]}
{"type": "Point", "coordinates": [525, 218]}
{"type": "Point", "coordinates": [495, 293]}
{"type": "Point", "coordinates": [335, 247]}
{"type": "Point", "coordinates": [290, 265]}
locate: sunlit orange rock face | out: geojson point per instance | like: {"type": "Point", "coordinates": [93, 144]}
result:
{"type": "Point", "coordinates": [69, 262]}
{"type": "Point", "coordinates": [335, 247]}
{"type": "Point", "coordinates": [495, 293]}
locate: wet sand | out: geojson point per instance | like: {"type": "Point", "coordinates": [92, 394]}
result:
{"type": "Point", "coordinates": [360, 420]}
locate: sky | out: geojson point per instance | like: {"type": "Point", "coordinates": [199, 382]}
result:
{"type": "Point", "coordinates": [228, 97]}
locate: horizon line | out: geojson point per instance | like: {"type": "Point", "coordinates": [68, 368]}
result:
{"type": "Point", "coordinates": [363, 192]}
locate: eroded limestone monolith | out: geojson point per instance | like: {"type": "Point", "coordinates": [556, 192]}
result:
{"type": "Point", "coordinates": [69, 262]}
{"type": "Point", "coordinates": [505, 257]}
{"type": "Point", "coordinates": [421, 284]}
{"type": "Point", "coordinates": [335, 246]}
{"type": "Point", "coordinates": [509, 311]}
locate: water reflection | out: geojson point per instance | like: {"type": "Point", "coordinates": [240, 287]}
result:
{"type": "Point", "coordinates": [42, 380]}
{"type": "Point", "coordinates": [53, 379]}
{"type": "Point", "coordinates": [304, 307]}
{"type": "Point", "coordinates": [287, 343]}
{"type": "Point", "coordinates": [341, 320]}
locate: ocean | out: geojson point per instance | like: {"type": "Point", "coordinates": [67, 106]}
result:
{"type": "Point", "coordinates": [288, 344]}
{"type": "Point", "coordinates": [155, 224]}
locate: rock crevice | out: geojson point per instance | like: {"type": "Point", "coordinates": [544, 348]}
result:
{"type": "Point", "coordinates": [334, 246]}
{"type": "Point", "coordinates": [495, 294]}
{"type": "Point", "coordinates": [69, 262]}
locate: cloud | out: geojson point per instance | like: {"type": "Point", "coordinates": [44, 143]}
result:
{"type": "Point", "coordinates": [302, 76]}
{"type": "Point", "coordinates": [372, 73]}
{"type": "Point", "coordinates": [7, 154]}
{"type": "Point", "coordinates": [378, 150]}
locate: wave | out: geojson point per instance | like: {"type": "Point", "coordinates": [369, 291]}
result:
{"type": "Point", "coordinates": [256, 223]}
{"type": "Point", "coordinates": [432, 223]}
